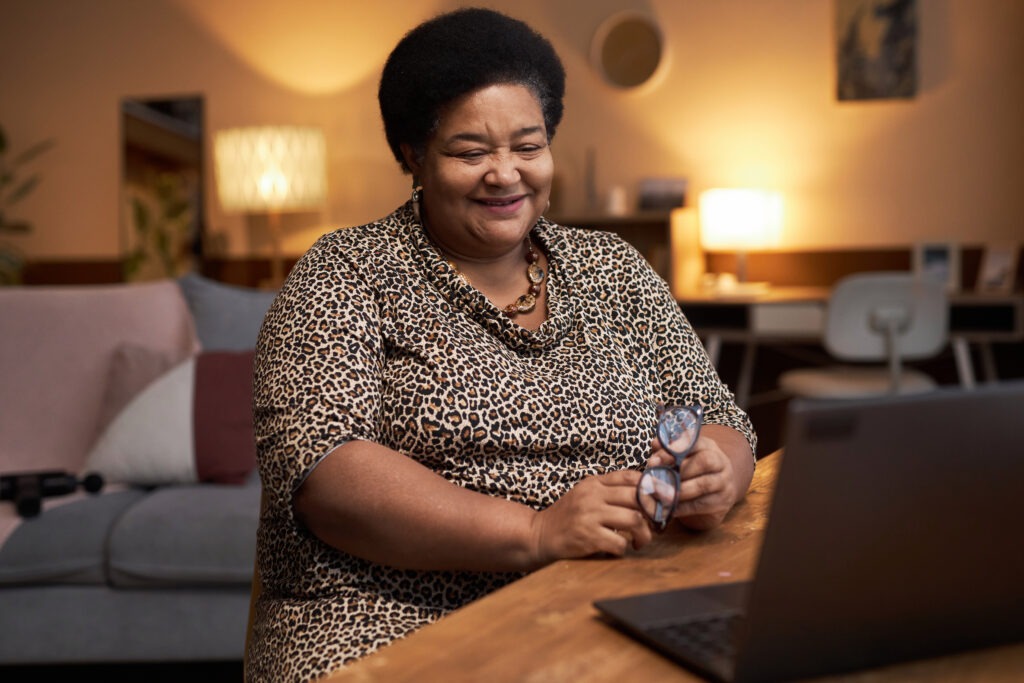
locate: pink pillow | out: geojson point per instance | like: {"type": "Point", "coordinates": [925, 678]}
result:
{"type": "Point", "coordinates": [192, 424]}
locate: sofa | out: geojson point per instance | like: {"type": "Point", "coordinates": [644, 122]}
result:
{"type": "Point", "coordinates": [146, 388]}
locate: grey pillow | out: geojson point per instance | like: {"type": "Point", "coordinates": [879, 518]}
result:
{"type": "Point", "coordinates": [227, 317]}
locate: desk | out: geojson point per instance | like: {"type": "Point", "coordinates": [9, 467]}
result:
{"type": "Point", "coordinates": [544, 628]}
{"type": "Point", "coordinates": [797, 315]}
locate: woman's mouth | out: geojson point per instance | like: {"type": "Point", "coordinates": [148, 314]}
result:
{"type": "Point", "coordinates": [503, 201]}
{"type": "Point", "coordinates": [503, 204]}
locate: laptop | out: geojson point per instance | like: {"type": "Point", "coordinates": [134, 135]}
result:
{"type": "Point", "coordinates": [895, 533]}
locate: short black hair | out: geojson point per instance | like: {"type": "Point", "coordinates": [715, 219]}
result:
{"type": "Point", "coordinates": [457, 53]}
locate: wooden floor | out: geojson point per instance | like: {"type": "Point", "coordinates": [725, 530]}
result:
{"type": "Point", "coordinates": [201, 672]}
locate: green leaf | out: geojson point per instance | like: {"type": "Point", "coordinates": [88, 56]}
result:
{"type": "Point", "coordinates": [133, 262]}
{"type": "Point", "coordinates": [33, 151]}
{"type": "Point", "coordinates": [22, 190]}
{"type": "Point", "coordinates": [176, 209]}
{"type": "Point", "coordinates": [141, 216]}
{"type": "Point", "coordinates": [20, 227]}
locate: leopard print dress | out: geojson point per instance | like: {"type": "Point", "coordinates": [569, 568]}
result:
{"type": "Point", "coordinates": [375, 337]}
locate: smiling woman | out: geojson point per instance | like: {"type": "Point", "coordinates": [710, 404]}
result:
{"type": "Point", "coordinates": [485, 179]}
{"type": "Point", "coordinates": [464, 391]}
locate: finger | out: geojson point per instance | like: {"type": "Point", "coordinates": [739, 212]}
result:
{"type": "Point", "coordinates": [703, 496]}
{"type": "Point", "coordinates": [624, 478]}
{"type": "Point", "coordinates": [633, 529]}
{"type": "Point", "coordinates": [703, 507]}
{"type": "Point", "coordinates": [709, 484]}
{"type": "Point", "coordinates": [661, 459]}
{"type": "Point", "coordinates": [708, 459]}
{"type": "Point", "coordinates": [642, 535]}
{"type": "Point", "coordinates": [615, 541]}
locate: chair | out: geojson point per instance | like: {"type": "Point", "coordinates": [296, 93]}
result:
{"type": "Point", "coordinates": [254, 594]}
{"type": "Point", "coordinates": [876, 317]}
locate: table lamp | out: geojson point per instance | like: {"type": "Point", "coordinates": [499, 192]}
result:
{"type": "Point", "coordinates": [271, 169]}
{"type": "Point", "coordinates": [740, 219]}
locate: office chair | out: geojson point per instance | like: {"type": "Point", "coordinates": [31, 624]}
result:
{"type": "Point", "coordinates": [876, 318]}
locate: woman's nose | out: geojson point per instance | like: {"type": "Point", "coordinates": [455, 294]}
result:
{"type": "Point", "coordinates": [503, 170]}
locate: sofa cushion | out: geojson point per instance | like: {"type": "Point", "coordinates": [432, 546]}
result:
{"type": "Point", "coordinates": [198, 535]}
{"type": "Point", "coordinates": [132, 369]}
{"type": "Point", "coordinates": [56, 348]}
{"type": "Point", "coordinates": [227, 317]}
{"type": "Point", "coordinates": [66, 544]}
{"type": "Point", "coordinates": [192, 424]}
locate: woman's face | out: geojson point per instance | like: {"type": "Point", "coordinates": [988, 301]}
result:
{"type": "Point", "coordinates": [486, 173]}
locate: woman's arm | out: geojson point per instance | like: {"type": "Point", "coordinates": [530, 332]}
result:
{"type": "Point", "coordinates": [377, 504]}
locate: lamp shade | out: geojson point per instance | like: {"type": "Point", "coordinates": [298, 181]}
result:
{"type": "Point", "coordinates": [270, 168]}
{"type": "Point", "coordinates": [740, 219]}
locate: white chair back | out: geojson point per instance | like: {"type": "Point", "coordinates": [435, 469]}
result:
{"type": "Point", "coordinates": [882, 318]}
{"type": "Point", "coordinates": [877, 316]}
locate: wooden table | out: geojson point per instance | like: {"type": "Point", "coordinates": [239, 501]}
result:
{"type": "Point", "coordinates": [544, 628]}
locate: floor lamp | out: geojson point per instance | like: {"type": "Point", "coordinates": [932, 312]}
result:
{"type": "Point", "coordinates": [739, 220]}
{"type": "Point", "coordinates": [271, 170]}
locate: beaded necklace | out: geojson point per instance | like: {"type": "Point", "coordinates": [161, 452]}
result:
{"type": "Point", "coordinates": [534, 275]}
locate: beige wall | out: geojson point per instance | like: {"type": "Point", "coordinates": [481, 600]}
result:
{"type": "Point", "coordinates": [745, 98]}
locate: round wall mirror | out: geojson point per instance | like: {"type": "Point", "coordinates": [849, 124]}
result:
{"type": "Point", "coordinates": [627, 49]}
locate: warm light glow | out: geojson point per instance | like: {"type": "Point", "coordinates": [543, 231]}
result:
{"type": "Point", "coordinates": [688, 265]}
{"type": "Point", "coordinates": [271, 168]}
{"type": "Point", "coordinates": [312, 46]}
{"type": "Point", "coordinates": [738, 219]}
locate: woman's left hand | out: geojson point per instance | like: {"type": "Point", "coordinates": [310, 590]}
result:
{"type": "Point", "coordinates": [711, 480]}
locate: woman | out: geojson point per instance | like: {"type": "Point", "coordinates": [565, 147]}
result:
{"type": "Point", "coordinates": [463, 391]}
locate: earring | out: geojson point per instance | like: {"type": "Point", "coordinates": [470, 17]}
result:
{"type": "Point", "coordinates": [417, 195]}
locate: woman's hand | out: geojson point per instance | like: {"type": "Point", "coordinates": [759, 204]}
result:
{"type": "Point", "coordinates": [598, 515]}
{"type": "Point", "coordinates": [713, 477]}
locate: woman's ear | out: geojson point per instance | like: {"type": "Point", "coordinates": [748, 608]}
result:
{"type": "Point", "coordinates": [410, 158]}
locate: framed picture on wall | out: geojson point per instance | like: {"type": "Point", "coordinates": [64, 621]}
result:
{"type": "Point", "coordinates": [998, 268]}
{"type": "Point", "coordinates": [938, 261]}
{"type": "Point", "coordinates": [876, 49]}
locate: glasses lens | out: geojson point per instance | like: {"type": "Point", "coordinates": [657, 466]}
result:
{"type": "Point", "coordinates": [678, 428]}
{"type": "Point", "coordinates": [657, 493]}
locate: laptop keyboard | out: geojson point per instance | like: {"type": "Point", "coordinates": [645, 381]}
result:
{"type": "Point", "coordinates": [708, 639]}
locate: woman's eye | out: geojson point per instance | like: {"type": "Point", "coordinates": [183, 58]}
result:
{"type": "Point", "coordinates": [529, 149]}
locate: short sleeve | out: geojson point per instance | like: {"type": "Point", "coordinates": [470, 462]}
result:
{"type": "Point", "coordinates": [317, 370]}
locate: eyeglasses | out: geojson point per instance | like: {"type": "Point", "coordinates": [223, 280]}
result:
{"type": "Point", "coordinates": [658, 489]}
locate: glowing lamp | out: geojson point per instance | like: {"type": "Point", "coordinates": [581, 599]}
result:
{"type": "Point", "coordinates": [740, 220]}
{"type": "Point", "coordinates": [271, 169]}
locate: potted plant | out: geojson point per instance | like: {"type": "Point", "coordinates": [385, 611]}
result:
{"type": "Point", "coordinates": [162, 219]}
{"type": "Point", "coordinates": [15, 185]}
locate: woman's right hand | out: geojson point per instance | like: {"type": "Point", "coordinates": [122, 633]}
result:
{"type": "Point", "coordinates": [598, 515]}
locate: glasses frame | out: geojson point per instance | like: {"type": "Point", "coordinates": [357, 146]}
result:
{"type": "Point", "coordinates": [665, 474]}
